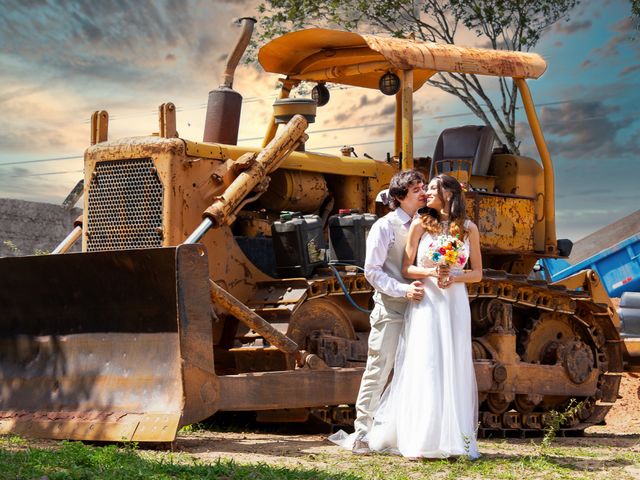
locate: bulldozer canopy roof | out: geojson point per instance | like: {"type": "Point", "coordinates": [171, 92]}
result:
{"type": "Point", "coordinates": [318, 54]}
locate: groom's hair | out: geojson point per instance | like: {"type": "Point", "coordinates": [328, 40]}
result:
{"type": "Point", "coordinates": [400, 184]}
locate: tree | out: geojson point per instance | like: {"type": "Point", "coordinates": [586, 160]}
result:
{"type": "Point", "coordinates": [635, 12]}
{"type": "Point", "coordinates": [505, 24]}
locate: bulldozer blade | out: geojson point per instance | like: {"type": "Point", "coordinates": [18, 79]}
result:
{"type": "Point", "coordinates": [110, 346]}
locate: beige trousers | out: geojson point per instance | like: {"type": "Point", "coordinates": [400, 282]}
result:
{"type": "Point", "coordinates": [386, 325]}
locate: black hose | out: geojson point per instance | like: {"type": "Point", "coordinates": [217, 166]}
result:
{"type": "Point", "coordinates": [344, 289]}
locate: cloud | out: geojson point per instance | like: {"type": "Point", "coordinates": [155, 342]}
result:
{"type": "Point", "coordinates": [576, 222]}
{"type": "Point", "coordinates": [27, 184]}
{"type": "Point", "coordinates": [369, 99]}
{"type": "Point", "coordinates": [570, 28]}
{"type": "Point", "coordinates": [20, 92]}
{"type": "Point", "coordinates": [354, 105]}
{"type": "Point", "coordinates": [120, 42]}
{"type": "Point", "coordinates": [341, 117]}
{"type": "Point", "coordinates": [383, 132]}
{"type": "Point", "coordinates": [587, 129]}
{"type": "Point", "coordinates": [62, 60]}
{"type": "Point", "coordinates": [47, 120]}
{"type": "Point", "coordinates": [624, 28]}
{"type": "Point", "coordinates": [387, 110]}
{"type": "Point", "coordinates": [14, 139]}
{"type": "Point", "coordinates": [611, 48]}
{"type": "Point", "coordinates": [625, 25]}
{"type": "Point", "coordinates": [601, 196]}
{"type": "Point", "coordinates": [629, 69]}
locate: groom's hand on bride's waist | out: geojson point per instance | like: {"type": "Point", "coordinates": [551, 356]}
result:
{"type": "Point", "coordinates": [416, 291]}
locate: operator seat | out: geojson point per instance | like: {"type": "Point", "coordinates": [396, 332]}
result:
{"type": "Point", "coordinates": [460, 145]}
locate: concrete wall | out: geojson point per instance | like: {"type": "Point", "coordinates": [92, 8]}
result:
{"type": "Point", "coordinates": [33, 226]}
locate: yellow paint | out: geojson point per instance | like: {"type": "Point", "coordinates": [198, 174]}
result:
{"type": "Point", "coordinates": [505, 223]}
{"type": "Point", "coordinates": [331, 57]}
{"type": "Point", "coordinates": [397, 140]}
{"type": "Point", "coordinates": [306, 53]}
{"type": "Point", "coordinates": [518, 175]}
{"type": "Point", "coordinates": [307, 161]}
{"type": "Point", "coordinates": [330, 74]}
{"type": "Point", "coordinates": [589, 281]}
{"type": "Point", "coordinates": [550, 241]}
{"type": "Point", "coordinates": [272, 127]}
{"type": "Point", "coordinates": [295, 190]}
{"type": "Point", "coordinates": [190, 185]}
{"type": "Point", "coordinates": [351, 192]}
{"type": "Point", "coordinates": [99, 126]}
{"type": "Point", "coordinates": [407, 119]}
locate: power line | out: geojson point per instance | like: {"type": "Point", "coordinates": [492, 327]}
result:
{"type": "Point", "coordinates": [314, 148]}
{"type": "Point", "coordinates": [202, 106]}
{"type": "Point", "coordinates": [435, 117]}
{"type": "Point", "coordinates": [45, 174]}
{"type": "Point", "coordinates": [423, 137]}
{"type": "Point", "coordinates": [334, 129]}
{"type": "Point", "coordinates": [326, 130]}
{"type": "Point", "coordinates": [54, 159]}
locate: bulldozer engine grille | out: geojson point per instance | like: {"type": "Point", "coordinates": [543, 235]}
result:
{"type": "Point", "coordinates": [125, 206]}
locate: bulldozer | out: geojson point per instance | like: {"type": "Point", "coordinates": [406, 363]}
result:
{"type": "Point", "coordinates": [197, 291]}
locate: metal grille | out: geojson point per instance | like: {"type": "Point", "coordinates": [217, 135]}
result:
{"type": "Point", "coordinates": [125, 206]}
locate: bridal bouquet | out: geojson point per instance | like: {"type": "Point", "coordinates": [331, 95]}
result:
{"type": "Point", "coordinates": [447, 250]}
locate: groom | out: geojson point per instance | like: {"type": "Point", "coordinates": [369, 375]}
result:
{"type": "Point", "coordinates": [383, 269]}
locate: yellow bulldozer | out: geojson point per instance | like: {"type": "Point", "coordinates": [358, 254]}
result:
{"type": "Point", "coordinates": [197, 290]}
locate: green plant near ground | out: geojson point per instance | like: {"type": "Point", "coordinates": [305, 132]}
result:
{"type": "Point", "coordinates": [13, 247]}
{"type": "Point", "coordinates": [18, 252]}
{"type": "Point", "coordinates": [75, 460]}
{"type": "Point", "coordinates": [507, 460]}
{"type": "Point", "coordinates": [194, 427]}
{"type": "Point", "coordinates": [554, 420]}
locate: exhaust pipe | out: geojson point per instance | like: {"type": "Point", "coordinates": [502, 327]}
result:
{"type": "Point", "coordinates": [224, 105]}
{"type": "Point", "coordinates": [247, 24]}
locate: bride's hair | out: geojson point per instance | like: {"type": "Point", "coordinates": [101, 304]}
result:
{"type": "Point", "coordinates": [457, 208]}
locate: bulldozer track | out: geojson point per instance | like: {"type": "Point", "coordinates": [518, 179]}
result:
{"type": "Point", "coordinates": [595, 345]}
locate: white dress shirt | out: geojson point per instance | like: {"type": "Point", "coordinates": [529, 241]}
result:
{"type": "Point", "coordinates": [380, 239]}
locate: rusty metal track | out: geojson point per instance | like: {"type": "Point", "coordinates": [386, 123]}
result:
{"type": "Point", "coordinates": [577, 306]}
{"type": "Point", "coordinates": [536, 296]}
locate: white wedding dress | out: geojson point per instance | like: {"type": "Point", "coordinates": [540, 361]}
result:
{"type": "Point", "coordinates": [430, 408]}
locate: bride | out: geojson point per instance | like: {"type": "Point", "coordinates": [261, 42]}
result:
{"type": "Point", "coordinates": [430, 409]}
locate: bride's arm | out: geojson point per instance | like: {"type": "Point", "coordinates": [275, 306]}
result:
{"type": "Point", "coordinates": [475, 258]}
{"type": "Point", "coordinates": [409, 270]}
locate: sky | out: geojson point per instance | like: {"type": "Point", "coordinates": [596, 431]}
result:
{"type": "Point", "coordinates": [62, 60]}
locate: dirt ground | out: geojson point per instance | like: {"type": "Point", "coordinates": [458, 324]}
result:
{"type": "Point", "coordinates": [624, 417]}
{"type": "Point", "coordinates": [622, 431]}
{"type": "Point", "coordinates": [290, 448]}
